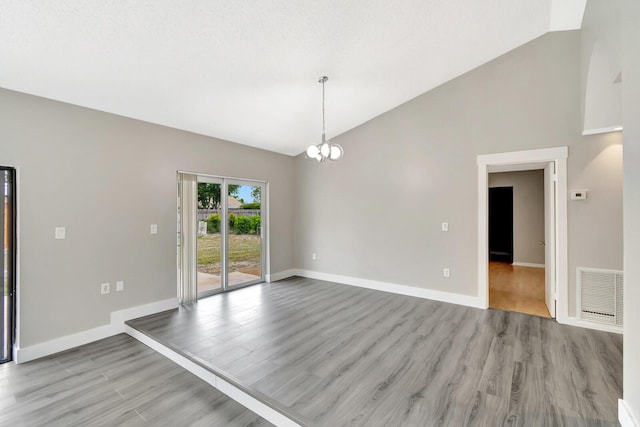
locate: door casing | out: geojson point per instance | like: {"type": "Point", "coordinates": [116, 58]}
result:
{"type": "Point", "coordinates": [518, 161]}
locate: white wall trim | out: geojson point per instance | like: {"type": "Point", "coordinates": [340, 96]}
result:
{"type": "Point", "coordinates": [528, 264]}
{"type": "Point", "coordinates": [467, 300]}
{"type": "Point", "coordinates": [267, 233]}
{"type": "Point", "coordinates": [16, 301]}
{"type": "Point", "coordinates": [215, 381]}
{"type": "Point", "coordinates": [559, 156]}
{"type": "Point", "coordinates": [523, 157]}
{"type": "Point", "coordinates": [119, 317]}
{"type": "Point", "coordinates": [281, 275]}
{"type": "Point", "coordinates": [625, 416]}
{"type": "Point", "coordinates": [602, 130]}
{"type": "Point", "coordinates": [116, 326]}
{"type": "Point", "coordinates": [574, 321]}
{"type": "Point", "coordinates": [36, 351]}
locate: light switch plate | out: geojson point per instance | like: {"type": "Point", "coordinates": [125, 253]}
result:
{"type": "Point", "coordinates": [153, 228]}
{"type": "Point", "coordinates": [120, 286]}
{"type": "Point", "coordinates": [61, 233]}
{"type": "Point", "coordinates": [445, 226]}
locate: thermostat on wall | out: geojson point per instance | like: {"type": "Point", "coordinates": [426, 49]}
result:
{"type": "Point", "coordinates": [579, 194]}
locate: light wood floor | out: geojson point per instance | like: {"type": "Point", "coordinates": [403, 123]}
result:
{"type": "Point", "coordinates": [112, 382]}
{"type": "Point", "coordinates": [337, 355]}
{"type": "Point", "coordinates": [516, 288]}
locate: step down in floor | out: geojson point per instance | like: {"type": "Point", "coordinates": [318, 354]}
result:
{"type": "Point", "coordinates": [253, 400]}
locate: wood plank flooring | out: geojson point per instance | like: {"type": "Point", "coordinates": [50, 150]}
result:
{"type": "Point", "coordinates": [113, 382]}
{"type": "Point", "coordinates": [339, 355]}
{"type": "Point", "coordinates": [517, 288]}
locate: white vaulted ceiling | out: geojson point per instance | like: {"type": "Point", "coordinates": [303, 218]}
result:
{"type": "Point", "coordinates": [247, 71]}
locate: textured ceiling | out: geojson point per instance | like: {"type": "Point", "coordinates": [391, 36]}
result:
{"type": "Point", "coordinates": [247, 71]}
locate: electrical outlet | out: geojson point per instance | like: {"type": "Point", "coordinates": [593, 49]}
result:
{"type": "Point", "coordinates": [104, 288]}
{"type": "Point", "coordinates": [446, 272]}
{"type": "Point", "coordinates": [313, 256]}
{"type": "Point", "coordinates": [120, 286]}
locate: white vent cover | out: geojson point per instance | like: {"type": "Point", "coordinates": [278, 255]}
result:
{"type": "Point", "coordinates": [600, 295]}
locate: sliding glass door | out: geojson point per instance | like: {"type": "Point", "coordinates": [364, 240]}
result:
{"type": "Point", "coordinates": [7, 262]}
{"type": "Point", "coordinates": [245, 243]}
{"type": "Point", "coordinates": [229, 234]}
{"type": "Point", "coordinates": [210, 235]}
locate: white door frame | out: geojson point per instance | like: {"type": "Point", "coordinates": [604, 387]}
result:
{"type": "Point", "coordinates": [265, 267]}
{"type": "Point", "coordinates": [550, 286]}
{"type": "Point", "coordinates": [519, 160]}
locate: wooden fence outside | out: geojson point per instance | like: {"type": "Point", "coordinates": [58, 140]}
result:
{"type": "Point", "coordinates": [204, 214]}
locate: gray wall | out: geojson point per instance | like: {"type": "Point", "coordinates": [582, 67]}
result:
{"type": "Point", "coordinates": [595, 225]}
{"type": "Point", "coordinates": [107, 178]}
{"type": "Point", "coordinates": [376, 213]}
{"type": "Point", "coordinates": [528, 212]}
{"type": "Point", "coordinates": [631, 113]}
{"type": "Point", "coordinates": [601, 64]}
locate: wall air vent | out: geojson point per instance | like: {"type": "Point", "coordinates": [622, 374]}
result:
{"type": "Point", "coordinates": [600, 295]}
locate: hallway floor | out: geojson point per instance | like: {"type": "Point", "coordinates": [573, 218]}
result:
{"type": "Point", "coordinates": [516, 288]}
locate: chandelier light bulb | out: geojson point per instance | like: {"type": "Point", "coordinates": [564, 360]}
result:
{"type": "Point", "coordinates": [313, 151]}
{"type": "Point", "coordinates": [325, 149]}
{"type": "Point", "coordinates": [336, 152]}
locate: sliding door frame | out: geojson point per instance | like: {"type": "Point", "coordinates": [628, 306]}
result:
{"type": "Point", "coordinates": [10, 312]}
{"type": "Point", "coordinates": [224, 182]}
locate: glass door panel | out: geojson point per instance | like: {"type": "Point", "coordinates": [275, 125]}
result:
{"type": "Point", "coordinates": [245, 246]}
{"type": "Point", "coordinates": [210, 263]}
{"type": "Point", "coordinates": [7, 263]}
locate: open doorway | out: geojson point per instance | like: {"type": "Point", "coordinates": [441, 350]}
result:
{"type": "Point", "coordinates": [517, 242]}
{"type": "Point", "coordinates": [552, 164]}
{"type": "Point", "coordinates": [501, 212]}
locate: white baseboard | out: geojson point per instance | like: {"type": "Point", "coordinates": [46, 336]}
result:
{"type": "Point", "coordinates": [281, 275]}
{"type": "Point", "coordinates": [215, 381]}
{"type": "Point", "coordinates": [36, 351]}
{"type": "Point", "coordinates": [119, 317]}
{"type": "Point", "coordinates": [470, 301]}
{"type": "Point", "coordinates": [467, 300]}
{"type": "Point", "coordinates": [625, 416]}
{"type": "Point", "coordinates": [527, 264]}
{"type": "Point", "coordinates": [574, 321]}
{"type": "Point", "coordinates": [46, 348]}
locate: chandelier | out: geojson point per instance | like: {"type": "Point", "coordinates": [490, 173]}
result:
{"type": "Point", "coordinates": [324, 150]}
